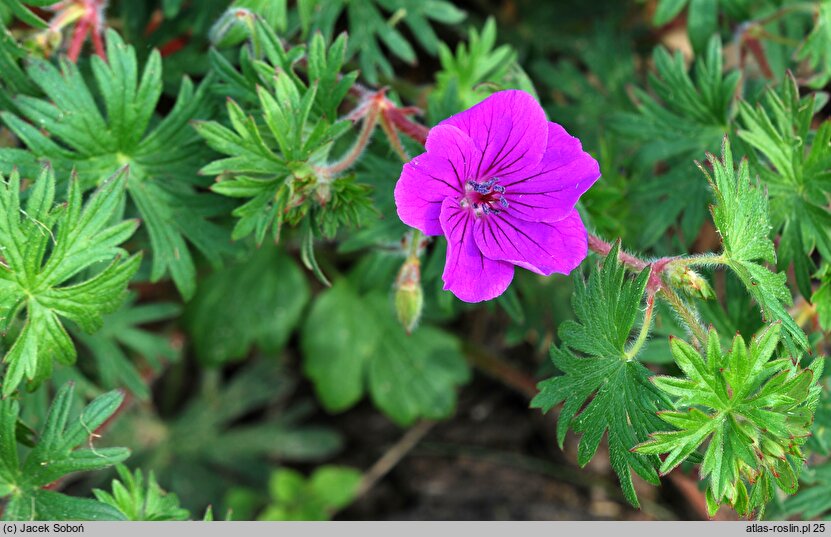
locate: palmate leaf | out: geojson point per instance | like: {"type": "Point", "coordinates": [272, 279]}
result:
{"type": "Point", "coordinates": [258, 301]}
{"type": "Point", "coordinates": [55, 455]}
{"type": "Point", "coordinates": [373, 22]}
{"type": "Point", "coordinates": [689, 113]}
{"type": "Point", "coordinates": [294, 497]}
{"type": "Point", "coordinates": [464, 76]}
{"type": "Point", "coordinates": [623, 402]}
{"type": "Point", "coordinates": [740, 214]}
{"type": "Point", "coordinates": [753, 413]}
{"type": "Point", "coordinates": [281, 134]}
{"type": "Point", "coordinates": [352, 345]}
{"type": "Point", "coordinates": [137, 500]}
{"type": "Point", "coordinates": [163, 160]}
{"type": "Point", "coordinates": [122, 348]}
{"type": "Point", "coordinates": [50, 272]}
{"type": "Point", "coordinates": [794, 162]}
{"type": "Point", "coordinates": [212, 444]}
{"type": "Point", "coordinates": [814, 497]}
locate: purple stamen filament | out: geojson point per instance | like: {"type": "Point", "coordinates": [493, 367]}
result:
{"type": "Point", "coordinates": [483, 196]}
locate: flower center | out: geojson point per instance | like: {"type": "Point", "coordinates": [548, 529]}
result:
{"type": "Point", "coordinates": [486, 197]}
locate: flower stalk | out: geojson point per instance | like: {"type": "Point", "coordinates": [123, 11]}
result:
{"type": "Point", "coordinates": [646, 327]}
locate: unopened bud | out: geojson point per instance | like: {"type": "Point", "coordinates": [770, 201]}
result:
{"type": "Point", "coordinates": [409, 297]}
{"type": "Point", "coordinates": [692, 283]}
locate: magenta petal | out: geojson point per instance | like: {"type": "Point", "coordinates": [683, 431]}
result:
{"type": "Point", "coordinates": [433, 176]}
{"type": "Point", "coordinates": [510, 129]}
{"type": "Point", "coordinates": [467, 273]}
{"type": "Point", "coordinates": [550, 192]}
{"type": "Point", "coordinates": [541, 247]}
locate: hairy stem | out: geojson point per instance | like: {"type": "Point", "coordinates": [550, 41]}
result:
{"type": "Point", "coordinates": [598, 245]}
{"type": "Point", "coordinates": [394, 139]}
{"type": "Point", "coordinates": [635, 348]}
{"type": "Point", "coordinates": [687, 314]}
{"type": "Point", "coordinates": [700, 260]}
{"type": "Point", "coordinates": [367, 128]}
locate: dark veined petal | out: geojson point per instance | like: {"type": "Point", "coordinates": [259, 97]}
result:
{"type": "Point", "coordinates": [431, 177]}
{"type": "Point", "coordinates": [541, 247]}
{"type": "Point", "coordinates": [550, 191]}
{"type": "Point", "coordinates": [510, 129]}
{"type": "Point", "coordinates": [467, 273]}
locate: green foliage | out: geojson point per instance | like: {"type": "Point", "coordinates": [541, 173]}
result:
{"type": "Point", "coordinates": [277, 155]}
{"type": "Point", "coordinates": [703, 16]}
{"type": "Point", "coordinates": [753, 413]}
{"type": "Point", "coordinates": [373, 22]}
{"type": "Point", "coordinates": [353, 345]}
{"type": "Point", "coordinates": [209, 445]}
{"type": "Point", "coordinates": [136, 500]}
{"type": "Point", "coordinates": [55, 455]}
{"type": "Point", "coordinates": [821, 298]}
{"type": "Point", "coordinates": [816, 49]}
{"type": "Point", "coordinates": [624, 403]}
{"type": "Point", "coordinates": [19, 10]}
{"type": "Point", "coordinates": [794, 161]}
{"type": "Point", "coordinates": [740, 214]}
{"type": "Point", "coordinates": [294, 497]}
{"type": "Point", "coordinates": [163, 158]}
{"type": "Point", "coordinates": [687, 115]}
{"type": "Point", "coordinates": [814, 497]}
{"type": "Point", "coordinates": [14, 80]}
{"type": "Point", "coordinates": [464, 76]}
{"type": "Point", "coordinates": [258, 301]}
{"type": "Point", "coordinates": [50, 270]}
{"type": "Point", "coordinates": [122, 348]}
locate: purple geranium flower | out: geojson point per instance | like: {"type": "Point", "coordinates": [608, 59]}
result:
{"type": "Point", "coordinates": [500, 182]}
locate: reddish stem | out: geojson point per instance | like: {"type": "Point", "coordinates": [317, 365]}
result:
{"type": "Point", "coordinates": [598, 245]}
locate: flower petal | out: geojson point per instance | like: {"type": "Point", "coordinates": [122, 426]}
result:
{"type": "Point", "coordinates": [541, 247]}
{"type": "Point", "coordinates": [510, 129]}
{"type": "Point", "coordinates": [431, 177]}
{"type": "Point", "coordinates": [550, 192]}
{"type": "Point", "coordinates": [467, 273]}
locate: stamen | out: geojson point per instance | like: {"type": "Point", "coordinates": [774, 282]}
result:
{"type": "Point", "coordinates": [483, 196]}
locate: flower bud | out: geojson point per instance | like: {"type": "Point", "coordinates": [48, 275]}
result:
{"type": "Point", "coordinates": [409, 297]}
{"type": "Point", "coordinates": [692, 283]}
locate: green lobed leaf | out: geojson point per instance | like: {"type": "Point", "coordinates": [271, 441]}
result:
{"type": "Point", "coordinates": [372, 29]}
{"type": "Point", "coordinates": [740, 214]}
{"type": "Point", "coordinates": [794, 163]}
{"type": "Point", "coordinates": [56, 454]}
{"type": "Point", "coordinates": [211, 444]}
{"type": "Point", "coordinates": [748, 412]}
{"type": "Point", "coordinates": [163, 157]}
{"type": "Point", "coordinates": [604, 388]}
{"type": "Point", "coordinates": [281, 132]}
{"type": "Point", "coordinates": [50, 269]}
{"type": "Point", "coordinates": [327, 489]}
{"type": "Point", "coordinates": [352, 345]}
{"type": "Point", "coordinates": [121, 348]}
{"type": "Point", "coordinates": [137, 500]}
{"type": "Point", "coordinates": [686, 114]}
{"type": "Point", "coordinates": [257, 301]}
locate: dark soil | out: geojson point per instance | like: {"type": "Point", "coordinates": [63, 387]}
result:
{"type": "Point", "coordinates": [496, 459]}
